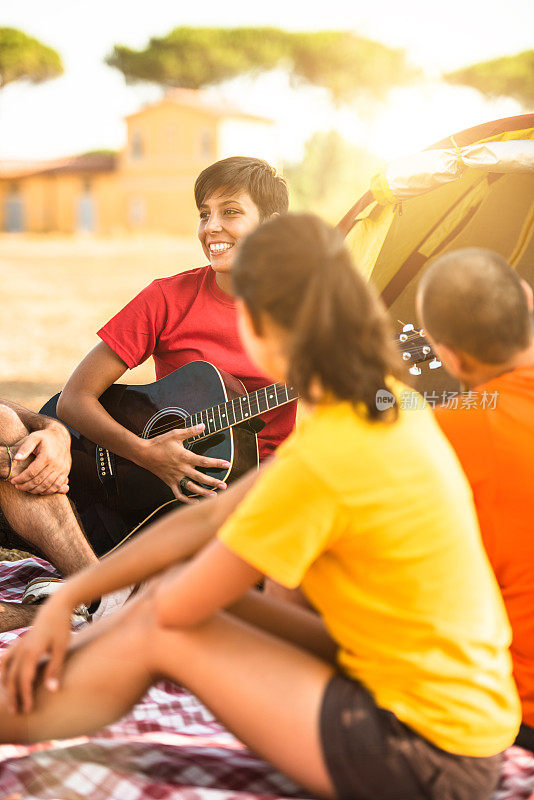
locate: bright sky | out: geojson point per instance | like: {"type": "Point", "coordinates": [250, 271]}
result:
{"type": "Point", "coordinates": [84, 109]}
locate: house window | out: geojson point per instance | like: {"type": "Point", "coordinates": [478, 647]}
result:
{"type": "Point", "coordinates": [14, 210]}
{"type": "Point", "coordinates": [171, 141]}
{"type": "Point", "coordinates": [138, 149]}
{"type": "Point", "coordinates": [206, 144]}
{"type": "Point", "coordinates": [86, 210]}
{"type": "Point", "coordinates": [137, 212]}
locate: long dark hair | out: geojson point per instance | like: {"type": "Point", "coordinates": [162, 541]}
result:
{"type": "Point", "coordinates": [296, 269]}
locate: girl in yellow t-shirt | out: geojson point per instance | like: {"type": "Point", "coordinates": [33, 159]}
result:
{"type": "Point", "coordinates": [398, 684]}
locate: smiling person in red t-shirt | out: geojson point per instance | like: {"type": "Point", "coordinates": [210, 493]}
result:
{"type": "Point", "coordinates": [181, 319]}
{"type": "Point", "coordinates": [478, 313]}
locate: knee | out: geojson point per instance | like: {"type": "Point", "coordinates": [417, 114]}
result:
{"type": "Point", "coordinates": [11, 428]}
{"type": "Point", "coordinates": [146, 630]}
{"type": "Point", "coordinates": [139, 616]}
{"type": "Point", "coordinates": [151, 632]}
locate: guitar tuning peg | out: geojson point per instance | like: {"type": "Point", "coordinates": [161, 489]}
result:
{"type": "Point", "coordinates": [403, 337]}
{"type": "Point", "coordinates": [406, 356]}
{"type": "Point", "coordinates": [415, 370]}
{"type": "Point", "coordinates": [435, 364]}
{"type": "Point", "coordinates": [421, 332]}
{"type": "Point", "coordinates": [426, 350]}
{"type": "Point", "coordinates": [407, 328]}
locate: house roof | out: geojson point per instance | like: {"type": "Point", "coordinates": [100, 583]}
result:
{"type": "Point", "coordinates": [88, 162]}
{"type": "Point", "coordinates": [200, 101]}
{"type": "Point", "coordinates": [107, 162]}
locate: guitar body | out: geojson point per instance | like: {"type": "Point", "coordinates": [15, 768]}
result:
{"type": "Point", "coordinates": [103, 479]}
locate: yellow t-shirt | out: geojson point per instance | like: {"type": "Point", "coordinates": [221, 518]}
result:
{"type": "Point", "coordinates": [375, 522]}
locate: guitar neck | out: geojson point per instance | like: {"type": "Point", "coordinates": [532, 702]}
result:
{"type": "Point", "coordinates": [240, 409]}
{"type": "Point", "coordinates": [413, 347]}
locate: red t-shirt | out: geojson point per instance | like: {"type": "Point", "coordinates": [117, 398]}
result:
{"type": "Point", "coordinates": [185, 318]}
{"type": "Point", "coordinates": [494, 440]}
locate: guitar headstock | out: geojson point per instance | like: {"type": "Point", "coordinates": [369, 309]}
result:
{"type": "Point", "coordinates": [416, 349]}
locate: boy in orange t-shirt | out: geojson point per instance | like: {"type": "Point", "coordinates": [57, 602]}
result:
{"type": "Point", "coordinates": [477, 313]}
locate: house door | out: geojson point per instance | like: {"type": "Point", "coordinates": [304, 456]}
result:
{"type": "Point", "coordinates": [14, 213]}
{"type": "Point", "coordinates": [86, 217]}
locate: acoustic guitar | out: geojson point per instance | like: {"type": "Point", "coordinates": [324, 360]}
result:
{"type": "Point", "coordinates": [195, 393]}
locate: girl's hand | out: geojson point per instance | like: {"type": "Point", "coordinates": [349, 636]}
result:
{"type": "Point", "coordinates": [166, 457]}
{"type": "Point", "coordinates": [46, 641]}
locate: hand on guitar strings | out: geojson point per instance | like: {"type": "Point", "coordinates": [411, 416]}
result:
{"type": "Point", "coordinates": [42, 461]}
{"type": "Point", "coordinates": [166, 456]}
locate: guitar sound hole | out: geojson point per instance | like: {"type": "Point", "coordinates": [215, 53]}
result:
{"type": "Point", "coordinates": [165, 423]}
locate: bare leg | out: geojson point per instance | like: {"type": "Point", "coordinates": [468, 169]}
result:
{"type": "Point", "coordinates": [15, 615]}
{"type": "Point", "coordinates": [47, 521]}
{"type": "Point", "coordinates": [267, 691]}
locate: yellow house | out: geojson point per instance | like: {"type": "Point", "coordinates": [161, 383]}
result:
{"type": "Point", "coordinates": [148, 186]}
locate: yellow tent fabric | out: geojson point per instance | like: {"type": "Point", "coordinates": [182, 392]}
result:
{"type": "Point", "coordinates": [458, 205]}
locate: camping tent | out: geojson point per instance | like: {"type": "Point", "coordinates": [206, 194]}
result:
{"type": "Point", "coordinates": [475, 188]}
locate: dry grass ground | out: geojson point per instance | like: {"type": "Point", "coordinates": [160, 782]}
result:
{"type": "Point", "coordinates": [56, 293]}
{"type": "Point", "coordinates": [13, 555]}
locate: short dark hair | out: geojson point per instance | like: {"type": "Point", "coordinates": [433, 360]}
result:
{"type": "Point", "coordinates": [267, 189]}
{"type": "Point", "coordinates": [472, 300]}
{"type": "Point", "coordinates": [296, 269]}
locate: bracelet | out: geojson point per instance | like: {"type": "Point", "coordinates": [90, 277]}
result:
{"type": "Point", "coordinates": [10, 454]}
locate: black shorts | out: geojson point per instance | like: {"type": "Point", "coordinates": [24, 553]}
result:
{"type": "Point", "coordinates": [10, 540]}
{"type": "Point", "coordinates": [102, 527]}
{"type": "Point", "coordinates": [525, 737]}
{"type": "Point", "coordinates": [372, 755]}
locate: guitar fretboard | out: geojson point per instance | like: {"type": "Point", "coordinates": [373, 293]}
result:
{"type": "Point", "coordinates": [413, 346]}
{"type": "Point", "coordinates": [225, 415]}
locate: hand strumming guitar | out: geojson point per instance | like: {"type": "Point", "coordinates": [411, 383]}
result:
{"type": "Point", "coordinates": [166, 457]}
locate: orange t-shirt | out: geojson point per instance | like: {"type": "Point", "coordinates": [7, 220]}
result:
{"type": "Point", "coordinates": [492, 431]}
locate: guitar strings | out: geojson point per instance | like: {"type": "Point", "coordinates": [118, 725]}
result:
{"type": "Point", "coordinates": [279, 388]}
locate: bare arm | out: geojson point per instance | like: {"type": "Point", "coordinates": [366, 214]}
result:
{"type": "Point", "coordinates": [219, 579]}
{"type": "Point", "coordinates": [176, 537]}
{"type": "Point", "coordinates": [163, 455]}
{"type": "Point", "coordinates": [78, 403]}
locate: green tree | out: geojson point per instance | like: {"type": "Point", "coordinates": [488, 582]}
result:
{"type": "Point", "coordinates": [342, 62]}
{"type": "Point", "coordinates": [24, 58]}
{"type": "Point", "coordinates": [510, 75]}
{"type": "Point", "coordinates": [331, 176]}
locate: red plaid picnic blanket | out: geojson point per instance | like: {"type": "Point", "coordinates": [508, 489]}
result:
{"type": "Point", "coordinates": [169, 746]}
